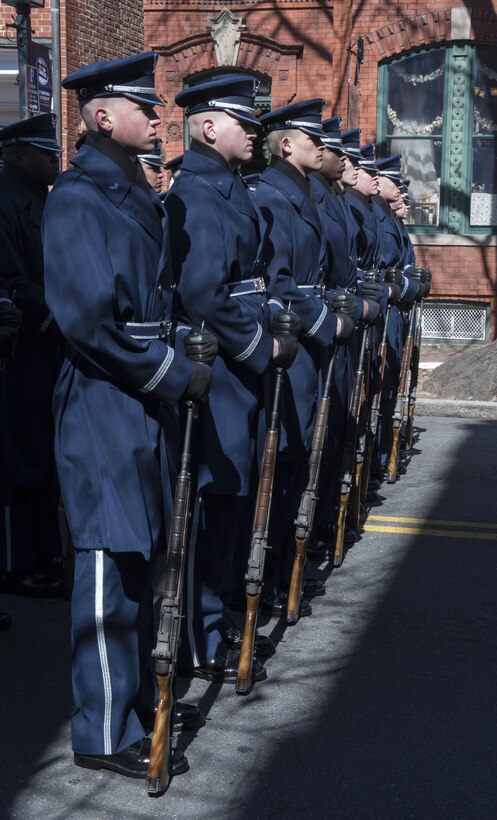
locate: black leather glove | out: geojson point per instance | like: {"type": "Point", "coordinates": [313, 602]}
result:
{"type": "Point", "coordinates": [372, 275]}
{"type": "Point", "coordinates": [288, 347]}
{"type": "Point", "coordinates": [394, 293]}
{"type": "Point", "coordinates": [199, 384]}
{"type": "Point", "coordinates": [201, 346]}
{"type": "Point", "coordinates": [344, 303]}
{"type": "Point", "coordinates": [372, 291]}
{"type": "Point", "coordinates": [429, 277]}
{"type": "Point", "coordinates": [10, 316]}
{"type": "Point", "coordinates": [345, 328]}
{"type": "Point", "coordinates": [419, 276]}
{"type": "Point", "coordinates": [285, 323]}
{"type": "Point", "coordinates": [393, 276]}
{"type": "Point", "coordinates": [373, 312]}
{"type": "Point", "coordinates": [8, 339]}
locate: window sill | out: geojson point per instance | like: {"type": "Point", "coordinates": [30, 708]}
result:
{"type": "Point", "coordinates": [452, 240]}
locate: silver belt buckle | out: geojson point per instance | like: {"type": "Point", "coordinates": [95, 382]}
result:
{"type": "Point", "coordinates": [164, 328]}
{"type": "Point", "coordinates": [259, 284]}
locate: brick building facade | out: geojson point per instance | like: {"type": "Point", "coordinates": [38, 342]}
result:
{"type": "Point", "coordinates": [89, 31]}
{"type": "Point", "coordinates": [308, 48]}
{"type": "Point", "coordinates": [305, 48]}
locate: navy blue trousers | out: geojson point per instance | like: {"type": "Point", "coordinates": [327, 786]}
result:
{"type": "Point", "coordinates": [112, 639]}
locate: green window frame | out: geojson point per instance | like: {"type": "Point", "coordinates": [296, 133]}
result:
{"type": "Point", "coordinates": [457, 139]}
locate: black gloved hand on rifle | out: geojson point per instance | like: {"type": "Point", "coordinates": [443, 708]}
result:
{"type": "Point", "coordinates": [344, 303]}
{"type": "Point", "coordinates": [285, 327]}
{"type": "Point", "coordinates": [419, 275]}
{"type": "Point", "coordinates": [201, 347]}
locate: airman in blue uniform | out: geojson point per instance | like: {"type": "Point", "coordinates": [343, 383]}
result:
{"type": "Point", "coordinates": [109, 287]}
{"type": "Point", "coordinates": [340, 229]}
{"type": "Point", "coordinates": [30, 551]}
{"type": "Point", "coordinates": [220, 280]}
{"type": "Point", "coordinates": [296, 257]}
{"type": "Point", "coordinates": [393, 253]}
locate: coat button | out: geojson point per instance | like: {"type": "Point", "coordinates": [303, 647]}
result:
{"type": "Point", "coordinates": [159, 290]}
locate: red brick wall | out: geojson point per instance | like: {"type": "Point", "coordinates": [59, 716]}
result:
{"type": "Point", "coordinates": [91, 30]}
{"type": "Point", "coordinates": [303, 47]}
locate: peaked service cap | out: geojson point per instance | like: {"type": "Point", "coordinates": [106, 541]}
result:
{"type": "Point", "coordinates": [303, 116]}
{"type": "Point", "coordinates": [234, 94]}
{"type": "Point", "coordinates": [131, 77]}
{"type": "Point", "coordinates": [38, 131]}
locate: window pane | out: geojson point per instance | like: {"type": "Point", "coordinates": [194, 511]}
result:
{"type": "Point", "coordinates": [421, 163]}
{"type": "Point", "coordinates": [483, 209]}
{"type": "Point", "coordinates": [415, 95]}
{"type": "Point", "coordinates": [485, 102]}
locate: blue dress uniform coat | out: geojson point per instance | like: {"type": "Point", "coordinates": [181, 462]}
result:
{"type": "Point", "coordinates": [216, 238]}
{"type": "Point", "coordinates": [30, 377]}
{"type": "Point", "coordinates": [107, 267]}
{"type": "Point", "coordinates": [215, 241]}
{"type": "Point", "coordinates": [295, 254]}
{"type": "Point", "coordinates": [342, 273]}
{"type": "Point", "coordinates": [393, 250]}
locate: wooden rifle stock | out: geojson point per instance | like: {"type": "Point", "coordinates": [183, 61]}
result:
{"type": "Point", "coordinates": [348, 457]}
{"type": "Point", "coordinates": [307, 508]}
{"type": "Point", "coordinates": [374, 412]}
{"type": "Point", "coordinates": [259, 545]}
{"type": "Point", "coordinates": [398, 413]}
{"type": "Point", "coordinates": [413, 384]}
{"type": "Point", "coordinates": [168, 636]}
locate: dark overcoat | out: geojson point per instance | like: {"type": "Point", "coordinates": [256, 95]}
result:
{"type": "Point", "coordinates": [107, 265]}
{"type": "Point", "coordinates": [215, 243]}
{"type": "Point", "coordinates": [32, 371]}
{"type": "Point", "coordinates": [295, 254]}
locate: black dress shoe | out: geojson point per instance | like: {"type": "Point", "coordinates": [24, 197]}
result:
{"type": "Point", "coordinates": [186, 718]}
{"type": "Point", "coordinates": [374, 484]}
{"type": "Point", "coordinates": [30, 584]}
{"type": "Point", "coordinates": [131, 762]}
{"type": "Point", "coordinates": [5, 620]}
{"type": "Point", "coordinates": [275, 605]}
{"type": "Point", "coordinates": [264, 646]}
{"type": "Point", "coordinates": [350, 537]}
{"type": "Point", "coordinates": [319, 551]}
{"type": "Point", "coordinates": [313, 588]}
{"type": "Point", "coordinates": [223, 669]}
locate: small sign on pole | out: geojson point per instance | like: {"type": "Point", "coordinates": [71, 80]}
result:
{"type": "Point", "coordinates": [32, 93]}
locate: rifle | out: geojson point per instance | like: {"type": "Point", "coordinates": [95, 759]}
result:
{"type": "Point", "coordinates": [349, 451]}
{"type": "Point", "coordinates": [166, 650]}
{"type": "Point", "coordinates": [398, 413]}
{"type": "Point", "coordinates": [258, 545]}
{"type": "Point", "coordinates": [359, 486]}
{"type": "Point", "coordinates": [374, 414]}
{"type": "Point", "coordinates": [425, 277]}
{"type": "Point", "coordinates": [307, 508]}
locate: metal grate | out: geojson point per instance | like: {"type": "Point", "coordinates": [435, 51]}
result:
{"type": "Point", "coordinates": [454, 323]}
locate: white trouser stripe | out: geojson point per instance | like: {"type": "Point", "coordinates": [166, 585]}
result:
{"type": "Point", "coordinates": [8, 541]}
{"type": "Point", "coordinates": [102, 648]}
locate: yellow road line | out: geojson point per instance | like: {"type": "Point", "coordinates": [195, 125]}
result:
{"type": "Point", "coordinates": [486, 536]}
{"type": "Point", "coordinates": [424, 521]}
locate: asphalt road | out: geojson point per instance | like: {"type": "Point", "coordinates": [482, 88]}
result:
{"type": "Point", "coordinates": [381, 706]}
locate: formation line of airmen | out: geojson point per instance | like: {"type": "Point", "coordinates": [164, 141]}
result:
{"type": "Point", "coordinates": [300, 267]}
